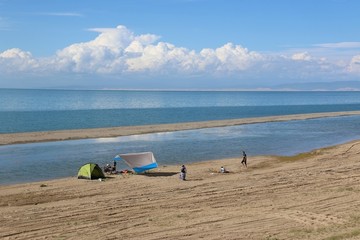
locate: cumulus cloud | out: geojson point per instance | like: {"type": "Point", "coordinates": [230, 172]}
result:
{"type": "Point", "coordinates": [303, 56]}
{"type": "Point", "coordinates": [233, 57]}
{"type": "Point", "coordinates": [120, 52]}
{"type": "Point", "coordinates": [107, 53]}
{"type": "Point", "coordinates": [21, 60]}
{"type": "Point", "coordinates": [167, 57]}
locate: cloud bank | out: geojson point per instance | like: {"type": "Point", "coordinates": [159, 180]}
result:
{"type": "Point", "coordinates": [118, 50]}
{"type": "Point", "coordinates": [120, 53]}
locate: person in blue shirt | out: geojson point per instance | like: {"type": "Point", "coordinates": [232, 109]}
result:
{"type": "Point", "coordinates": [244, 160]}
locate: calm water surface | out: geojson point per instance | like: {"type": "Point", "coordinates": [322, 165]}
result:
{"type": "Point", "coordinates": [19, 163]}
{"type": "Point", "coordinates": [44, 110]}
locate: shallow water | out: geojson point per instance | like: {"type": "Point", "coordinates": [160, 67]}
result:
{"type": "Point", "coordinates": [41, 161]}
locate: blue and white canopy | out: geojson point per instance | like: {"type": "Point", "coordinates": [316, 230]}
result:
{"type": "Point", "coordinates": [140, 162]}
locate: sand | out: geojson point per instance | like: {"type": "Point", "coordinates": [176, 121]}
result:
{"type": "Point", "coordinates": [133, 130]}
{"type": "Point", "coordinates": [314, 195]}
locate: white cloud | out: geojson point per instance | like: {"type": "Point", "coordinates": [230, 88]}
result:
{"type": "Point", "coordinates": [113, 38]}
{"type": "Point", "coordinates": [63, 14]}
{"type": "Point", "coordinates": [354, 65]}
{"type": "Point", "coordinates": [120, 52]}
{"type": "Point", "coordinates": [339, 45]}
{"type": "Point", "coordinates": [236, 58]}
{"type": "Point", "coordinates": [15, 59]}
{"type": "Point", "coordinates": [303, 56]}
{"type": "Point", "coordinates": [107, 53]}
{"type": "Point", "coordinates": [167, 57]}
{"type": "Point", "coordinates": [154, 57]}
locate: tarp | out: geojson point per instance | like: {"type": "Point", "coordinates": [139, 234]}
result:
{"type": "Point", "coordinates": [90, 171]}
{"type": "Point", "coordinates": [140, 162]}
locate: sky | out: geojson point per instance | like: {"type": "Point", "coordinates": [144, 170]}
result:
{"type": "Point", "coordinates": [178, 44]}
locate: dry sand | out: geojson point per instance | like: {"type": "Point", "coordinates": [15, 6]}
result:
{"type": "Point", "coordinates": [125, 131]}
{"type": "Point", "coordinates": [311, 196]}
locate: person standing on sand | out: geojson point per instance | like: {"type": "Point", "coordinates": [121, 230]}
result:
{"type": "Point", "coordinates": [114, 168]}
{"type": "Point", "coordinates": [244, 161]}
{"type": "Point", "coordinates": [183, 173]}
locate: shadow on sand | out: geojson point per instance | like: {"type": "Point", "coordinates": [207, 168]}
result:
{"type": "Point", "coordinates": [158, 174]}
{"type": "Point", "coordinates": [109, 177]}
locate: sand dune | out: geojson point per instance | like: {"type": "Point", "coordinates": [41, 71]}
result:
{"type": "Point", "coordinates": [311, 196]}
{"type": "Point", "coordinates": [132, 130]}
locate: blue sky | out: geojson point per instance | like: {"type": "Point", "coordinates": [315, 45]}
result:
{"type": "Point", "coordinates": [177, 44]}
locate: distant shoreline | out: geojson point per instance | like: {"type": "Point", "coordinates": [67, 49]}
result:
{"type": "Point", "coordinates": [61, 135]}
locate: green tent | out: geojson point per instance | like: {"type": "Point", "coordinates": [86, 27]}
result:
{"type": "Point", "coordinates": [90, 171]}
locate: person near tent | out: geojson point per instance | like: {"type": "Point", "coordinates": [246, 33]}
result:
{"type": "Point", "coordinates": [114, 166]}
{"type": "Point", "coordinates": [244, 160]}
{"type": "Point", "coordinates": [183, 173]}
{"type": "Point", "coordinates": [107, 168]}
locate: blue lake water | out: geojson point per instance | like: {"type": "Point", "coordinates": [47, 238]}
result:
{"type": "Point", "coordinates": [43, 110]}
{"type": "Point", "coordinates": [40, 161]}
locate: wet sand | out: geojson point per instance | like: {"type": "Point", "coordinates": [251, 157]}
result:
{"type": "Point", "coordinates": [47, 136]}
{"type": "Point", "coordinates": [313, 195]}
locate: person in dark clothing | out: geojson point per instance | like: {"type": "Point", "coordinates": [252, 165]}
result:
{"type": "Point", "coordinates": [114, 167]}
{"type": "Point", "coordinates": [107, 168]}
{"type": "Point", "coordinates": [244, 160]}
{"type": "Point", "coordinates": [183, 173]}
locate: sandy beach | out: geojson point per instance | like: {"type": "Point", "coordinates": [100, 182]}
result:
{"type": "Point", "coordinates": [314, 195]}
{"type": "Point", "coordinates": [14, 138]}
